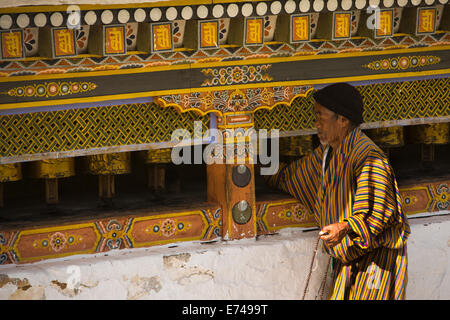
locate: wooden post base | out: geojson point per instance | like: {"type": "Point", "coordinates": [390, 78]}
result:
{"type": "Point", "coordinates": [157, 177]}
{"type": "Point", "coordinates": [106, 187]}
{"type": "Point", "coordinates": [51, 191]}
{"type": "Point", "coordinates": [427, 155]}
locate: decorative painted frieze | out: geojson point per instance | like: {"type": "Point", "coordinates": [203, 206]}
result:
{"type": "Point", "coordinates": [27, 245]}
{"type": "Point", "coordinates": [65, 15]}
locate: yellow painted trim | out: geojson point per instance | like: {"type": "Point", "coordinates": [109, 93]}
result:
{"type": "Point", "coordinates": [160, 101]}
{"type": "Point", "coordinates": [163, 216]}
{"type": "Point", "coordinates": [316, 57]}
{"type": "Point", "coordinates": [303, 95]}
{"type": "Point", "coordinates": [231, 126]}
{"type": "Point", "coordinates": [53, 229]}
{"type": "Point", "coordinates": [238, 1]}
{"type": "Point", "coordinates": [206, 89]}
{"type": "Point", "coordinates": [94, 73]}
{"type": "Point", "coordinates": [272, 204]}
{"type": "Point", "coordinates": [218, 64]}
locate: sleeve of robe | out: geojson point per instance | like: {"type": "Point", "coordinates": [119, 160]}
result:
{"type": "Point", "coordinates": [377, 218]}
{"type": "Point", "coordinates": [300, 178]}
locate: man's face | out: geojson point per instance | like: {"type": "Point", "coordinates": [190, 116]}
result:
{"type": "Point", "coordinates": [329, 127]}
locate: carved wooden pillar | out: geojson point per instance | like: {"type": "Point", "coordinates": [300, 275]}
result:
{"type": "Point", "coordinates": [232, 182]}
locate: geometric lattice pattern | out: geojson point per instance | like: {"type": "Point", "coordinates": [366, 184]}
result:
{"type": "Point", "coordinates": [81, 129]}
{"type": "Point", "coordinates": [406, 100]}
{"type": "Point", "coordinates": [382, 102]}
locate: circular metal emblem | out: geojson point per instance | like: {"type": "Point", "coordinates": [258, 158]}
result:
{"type": "Point", "coordinates": [241, 175]}
{"type": "Point", "coordinates": [242, 212]}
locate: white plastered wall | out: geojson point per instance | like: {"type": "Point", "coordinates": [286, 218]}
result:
{"type": "Point", "coordinates": [270, 267]}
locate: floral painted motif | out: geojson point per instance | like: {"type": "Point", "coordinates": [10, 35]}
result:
{"type": "Point", "coordinates": [406, 62]}
{"type": "Point", "coordinates": [236, 75]}
{"type": "Point", "coordinates": [296, 213]}
{"type": "Point", "coordinates": [235, 100]}
{"type": "Point", "coordinates": [131, 35]}
{"type": "Point", "coordinates": [168, 227]}
{"type": "Point", "coordinates": [82, 36]}
{"type": "Point", "coordinates": [409, 200]}
{"type": "Point", "coordinates": [52, 89]}
{"type": "Point", "coordinates": [30, 41]}
{"type": "Point", "coordinates": [57, 241]}
{"type": "Point", "coordinates": [178, 32]}
{"type": "Point", "coordinates": [224, 26]}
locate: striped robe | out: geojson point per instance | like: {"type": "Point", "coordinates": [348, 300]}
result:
{"type": "Point", "coordinates": [359, 187]}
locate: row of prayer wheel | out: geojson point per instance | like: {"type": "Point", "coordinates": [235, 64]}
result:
{"type": "Point", "coordinates": [105, 166]}
{"type": "Point", "coordinates": [427, 135]}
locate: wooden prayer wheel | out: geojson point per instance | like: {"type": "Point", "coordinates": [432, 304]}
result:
{"type": "Point", "coordinates": [428, 135]}
{"type": "Point", "coordinates": [157, 160]}
{"type": "Point", "coordinates": [51, 170]}
{"type": "Point", "coordinates": [106, 166]}
{"type": "Point", "coordinates": [9, 172]}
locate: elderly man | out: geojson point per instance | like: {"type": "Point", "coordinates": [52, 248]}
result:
{"type": "Point", "coordinates": [349, 185]}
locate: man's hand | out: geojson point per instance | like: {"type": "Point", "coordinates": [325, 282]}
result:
{"type": "Point", "coordinates": [335, 233]}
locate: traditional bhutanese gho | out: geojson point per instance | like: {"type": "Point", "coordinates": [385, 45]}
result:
{"type": "Point", "coordinates": [359, 187]}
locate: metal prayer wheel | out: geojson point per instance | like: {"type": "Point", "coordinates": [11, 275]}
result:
{"type": "Point", "coordinates": [157, 159]}
{"type": "Point", "coordinates": [9, 172]}
{"type": "Point", "coordinates": [296, 146]}
{"type": "Point", "coordinates": [159, 156]}
{"type": "Point", "coordinates": [428, 135]}
{"type": "Point", "coordinates": [106, 166]}
{"type": "Point", "coordinates": [387, 137]}
{"type": "Point", "coordinates": [51, 170]}
{"type": "Point", "coordinates": [433, 133]}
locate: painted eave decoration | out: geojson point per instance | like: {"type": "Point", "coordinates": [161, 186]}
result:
{"type": "Point", "coordinates": [260, 53]}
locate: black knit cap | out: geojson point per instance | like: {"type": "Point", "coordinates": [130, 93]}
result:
{"type": "Point", "coordinates": [343, 99]}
